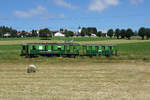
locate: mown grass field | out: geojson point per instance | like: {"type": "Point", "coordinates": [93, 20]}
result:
{"type": "Point", "coordinates": [125, 77]}
{"type": "Point", "coordinates": [76, 81]}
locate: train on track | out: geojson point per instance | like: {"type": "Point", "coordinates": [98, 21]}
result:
{"type": "Point", "coordinates": [67, 49]}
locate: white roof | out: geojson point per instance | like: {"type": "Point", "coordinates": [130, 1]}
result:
{"type": "Point", "coordinates": [7, 34]}
{"type": "Point", "coordinates": [93, 35]}
{"type": "Point", "coordinates": [59, 34]}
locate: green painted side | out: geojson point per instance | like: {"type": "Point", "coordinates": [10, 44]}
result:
{"type": "Point", "coordinates": [113, 48]}
{"type": "Point", "coordinates": [62, 47]}
{"type": "Point", "coordinates": [30, 47]}
{"type": "Point", "coordinates": [99, 50]}
{"type": "Point", "coordinates": [87, 47]}
{"type": "Point", "coordinates": [67, 47]}
{"type": "Point", "coordinates": [106, 48]}
{"type": "Point", "coordinates": [62, 52]}
{"type": "Point", "coordinates": [43, 47]}
{"type": "Point", "coordinates": [55, 47]}
{"type": "Point", "coordinates": [37, 47]}
{"type": "Point", "coordinates": [76, 49]}
{"type": "Point", "coordinates": [93, 48]}
{"type": "Point", "coordinates": [49, 47]}
{"type": "Point", "coordinates": [99, 47]}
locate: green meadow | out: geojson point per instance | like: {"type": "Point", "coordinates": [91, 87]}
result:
{"type": "Point", "coordinates": [126, 51]}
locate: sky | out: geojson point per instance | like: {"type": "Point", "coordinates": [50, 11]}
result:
{"type": "Point", "coordinates": [70, 14]}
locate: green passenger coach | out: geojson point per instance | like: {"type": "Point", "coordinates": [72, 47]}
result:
{"type": "Point", "coordinates": [67, 49]}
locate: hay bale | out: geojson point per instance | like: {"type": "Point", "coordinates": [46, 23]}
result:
{"type": "Point", "coordinates": [31, 69]}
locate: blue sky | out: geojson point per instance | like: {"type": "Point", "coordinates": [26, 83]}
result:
{"type": "Point", "coordinates": [70, 14]}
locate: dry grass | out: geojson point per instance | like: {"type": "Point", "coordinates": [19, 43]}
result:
{"type": "Point", "coordinates": [82, 42]}
{"type": "Point", "coordinates": [127, 80]}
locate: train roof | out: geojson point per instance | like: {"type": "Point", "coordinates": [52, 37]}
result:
{"type": "Point", "coordinates": [51, 44]}
{"type": "Point", "coordinates": [69, 44]}
{"type": "Point", "coordinates": [99, 45]}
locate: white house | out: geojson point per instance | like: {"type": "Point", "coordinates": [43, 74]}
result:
{"type": "Point", "coordinates": [59, 34]}
{"type": "Point", "coordinates": [93, 35]}
{"type": "Point", "coordinates": [7, 35]}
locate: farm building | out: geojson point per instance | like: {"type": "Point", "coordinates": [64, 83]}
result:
{"type": "Point", "coordinates": [7, 35]}
{"type": "Point", "coordinates": [59, 34]}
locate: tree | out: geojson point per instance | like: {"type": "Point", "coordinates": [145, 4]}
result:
{"type": "Point", "coordinates": [147, 33]}
{"type": "Point", "coordinates": [91, 30]}
{"type": "Point", "coordinates": [45, 33]}
{"type": "Point", "coordinates": [68, 33]}
{"type": "Point", "coordinates": [117, 33]}
{"type": "Point", "coordinates": [23, 33]}
{"type": "Point", "coordinates": [129, 33]}
{"type": "Point", "coordinates": [61, 30]}
{"type": "Point", "coordinates": [34, 33]}
{"type": "Point", "coordinates": [110, 33]}
{"type": "Point", "coordinates": [142, 32]}
{"type": "Point", "coordinates": [4, 30]}
{"type": "Point", "coordinates": [99, 34]}
{"type": "Point", "coordinates": [83, 31]}
{"type": "Point", "coordinates": [13, 33]}
{"type": "Point", "coordinates": [123, 33]}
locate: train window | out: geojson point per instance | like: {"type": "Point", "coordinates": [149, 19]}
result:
{"type": "Point", "coordinates": [34, 47]}
{"type": "Point", "coordinates": [110, 48]}
{"type": "Point", "coordinates": [59, 48]}
{"type": "Point", "coordinates": [52, 47]}
{"type": "Point", "coordinates": [90, 48]}
{"type": "Point", "coordinates": [96, 48]}
{"type": "Point", "coordinates": [103, 47]}
{"type": "Point", "coordinates": [40, 47]}
{"type": "Point", "coordinates": [46, 47]}
{"type": "Point", "coordinates": [24, 48]}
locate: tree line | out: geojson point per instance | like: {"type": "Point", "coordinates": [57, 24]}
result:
{"type": "Point", "coordinates": [14, 33]}
{"type": "Point", "coordinates": [142, 32]}
{"type": "Point", "coordinates": [46, 33]}
{"type": "Point", "coordinates": [4, 30]}
{"type": "Point", "coordinates": [121, 33]}
{"type": "Point", "coordinates": [118, 33]}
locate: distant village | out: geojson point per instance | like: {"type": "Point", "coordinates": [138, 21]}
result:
{"type": "Point", "coordinates": [90, 31]}
{"type": "Point", "coordinates": [6, 32]}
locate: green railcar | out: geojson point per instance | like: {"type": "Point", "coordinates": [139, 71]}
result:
{"type": "Point", "coordinates": [67, 49]}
